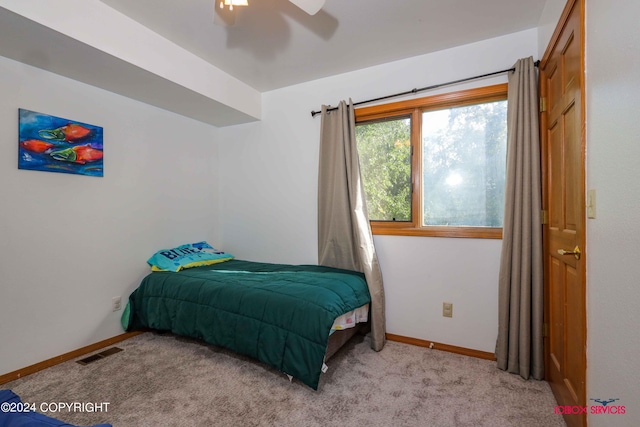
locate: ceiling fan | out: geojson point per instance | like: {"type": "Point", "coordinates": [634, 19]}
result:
{"type": "Point", "coordinates": [225, 10]}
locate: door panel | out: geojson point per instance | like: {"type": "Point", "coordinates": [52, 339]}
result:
{"type": "Point", "coordinates": [554, 80]}
{"type": "Point", "coordinates": [574, 327]}
{"type": "Point", "coordinates": [562, 124]}
{"type": "Point", "coordinates": [556, 319]}
{"type": "Point", "coordinates": [555, 208]}
{"type": "Point", "coordinates": [572, 170]}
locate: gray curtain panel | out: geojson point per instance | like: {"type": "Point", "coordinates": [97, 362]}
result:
{"type": "Point", "coordinates": [519, 348]}
{"type": "Point", "coordinates": [344, 234]}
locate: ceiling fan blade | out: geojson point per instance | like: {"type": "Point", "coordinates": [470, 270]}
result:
{"type": "Point", "coordinates": [224, 17]}
{"type": "Point", "coordinates": [310, 6]}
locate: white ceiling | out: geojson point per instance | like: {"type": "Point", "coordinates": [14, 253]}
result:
{"type": "Point", "coordinates": [169, 53]}
{"type": "Point", "coordinates": [274, 44]}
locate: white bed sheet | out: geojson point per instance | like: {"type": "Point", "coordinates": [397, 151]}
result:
{"type": "Point", "coordinates": [350, 319]}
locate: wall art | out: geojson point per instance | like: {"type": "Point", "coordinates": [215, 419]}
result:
{"type": "Point", "coordinates": [53, 144]}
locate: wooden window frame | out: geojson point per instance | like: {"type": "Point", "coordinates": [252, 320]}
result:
{"type": "Point", "coordinates": [415, 108]}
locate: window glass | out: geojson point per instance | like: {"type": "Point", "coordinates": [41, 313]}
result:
{"type": "Point", "coordinates": [463, 165]}
{"type": "Point", "coordinates": [384, 149]}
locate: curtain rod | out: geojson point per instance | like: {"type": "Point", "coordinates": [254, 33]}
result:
{"type": "Point", "coordinates": [412, 91]}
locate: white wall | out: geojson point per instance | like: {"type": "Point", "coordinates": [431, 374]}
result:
{"type": "Point", "coordinates": [613, 238]}
{"type": "Point", "coordinates": [548, 22]}
{"type": "Point", "coordinates": [269, 183]}
{"type": "Point", "coordinates": [76, 38]}
{"type": "Point", "coordinates": [69, 243]}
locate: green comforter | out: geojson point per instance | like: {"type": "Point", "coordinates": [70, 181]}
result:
{"type": "Point", "coordinates": [279, 314]}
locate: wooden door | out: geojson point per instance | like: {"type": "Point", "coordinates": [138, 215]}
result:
{"type": "Point", "coordinates": [562, 124]}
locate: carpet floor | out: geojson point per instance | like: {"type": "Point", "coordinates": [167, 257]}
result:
{"type": "Point", "coordinates": [164, 380]}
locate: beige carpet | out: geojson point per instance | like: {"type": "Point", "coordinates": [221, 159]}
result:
{"type": "Point", "coordinates": [162, 380]}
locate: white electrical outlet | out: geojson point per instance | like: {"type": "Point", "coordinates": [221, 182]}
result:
{"type": "Point", "coordinates": [447, 309]}
{"type": "Point", "coordinates": [116, 303]}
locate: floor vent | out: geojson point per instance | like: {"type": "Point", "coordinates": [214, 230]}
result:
{"type": "Point", "coordinates": [101, 355]}
{"type": "Point", "coordinates": [110, 351]}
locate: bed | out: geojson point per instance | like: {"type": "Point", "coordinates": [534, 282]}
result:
{"type": "Point", "coordinates": [291, 317]}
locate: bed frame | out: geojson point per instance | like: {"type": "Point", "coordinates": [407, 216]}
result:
{"type": "Point", "coordinates": [340, 338]}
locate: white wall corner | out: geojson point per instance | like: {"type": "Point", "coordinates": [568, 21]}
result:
{"type": "Point", "coordinates": [122, 51]}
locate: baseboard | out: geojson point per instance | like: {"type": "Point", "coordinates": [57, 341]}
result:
{"type": "Point", "coordinates": [11, 376]}
{"type": "Point", "coordinates": [444, 347]}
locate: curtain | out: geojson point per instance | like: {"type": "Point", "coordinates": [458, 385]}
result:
{"type": "Point", "coordinates": [519, 347]}
{"type": "Point", "coordinates": [344, 234]}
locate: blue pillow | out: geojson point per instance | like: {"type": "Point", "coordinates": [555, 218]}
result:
{"type": "Point", "coordinates": [26, 419]}
{"type": "Point", "coordinates": [187, 256]}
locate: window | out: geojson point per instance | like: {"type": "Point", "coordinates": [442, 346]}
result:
{"type": "Point", "coordinates": [435, 166]}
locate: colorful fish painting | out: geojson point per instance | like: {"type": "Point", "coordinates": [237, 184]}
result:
{"type": "Point", "coordinates": [72, 132]}
{"type": "Point", "coordinates": [54, 144]}
{"type": "Point", "coordinates": [36, 146]}
{"type": "Point", "coordinates": [78, 154]}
